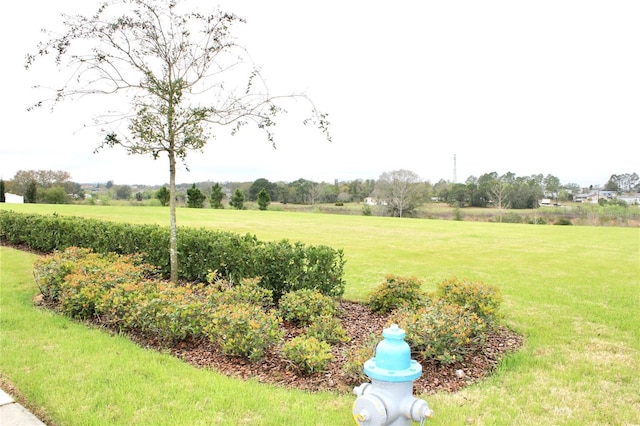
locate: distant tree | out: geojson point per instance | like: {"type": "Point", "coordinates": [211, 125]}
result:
{"type": "Point", "coordinates": [195, 197]}
{"type": "Point", "coordinates": [260, 184]}
{"type": "Point", "coordinates": [42, 178]}
{"type": "Point", "coordinates": [123, 192]}
{"type": "Point", "coordinates": [237, 200]}
{"type": "Point", "coordinates": [216, 196]}
{"type": "Point", "coordinates": [138, 196]}
{"type": "Point", "coordinates": [109, 184]}
{"type": "Point", "coordinates": [2, 197]}
{"type": "Point", "coordinates": [55, 195]}
{"type": "Point", "coordinates": [499, 191]}
{"type": "Point", "coordinates": [459, 195]}
{"type": "Point", "coordinates": [552, 186]}
{"type": "Point", "coordinates": [299, 190]}
{"type": "Point", "coordinates": [163, 195]}
{"type": "Point", "coordinates": [31, 192]}
{"type": "Point", "coordinates": [181, 70]}
{"type": "Point", "coordinates": [399, 190]}
{"type": "Point", "coordinates": [625, 182]}
{"type": "Point", "coordinates": [263, 199]}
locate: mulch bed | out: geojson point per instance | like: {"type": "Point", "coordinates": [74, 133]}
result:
{"type": "Point", "coordinates": [359, 321]}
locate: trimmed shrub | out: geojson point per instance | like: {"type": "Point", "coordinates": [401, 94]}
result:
{"type": "Point", "coordinates": [482, 299]}
{"type": "Point", "coordinates": [302, 306]}
{"type": "Point", "coordinates": [394, 293]}
{"type": "Point", "coordinates": [281, 266]}
{"type": "Point", "coordinates": [441, 332]}
{"type": "Point", "coordinates": [328, 329]}
{"type": "Point", "coordinates": [307, 354]}
{"type": "Point", "coordinates": [243, 330]}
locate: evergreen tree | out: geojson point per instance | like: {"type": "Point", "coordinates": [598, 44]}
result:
{"type": "Point", "coordinates": [2, 199]}
{"type": "Point", "coordinates": [263, 199]}
{"type": "Point", "coordinates": [195, 197]}
{"type": "Point", "coordinates": [216, 196]}
{"type": "Point", "coordinates": [237, 200]}
{"type": "Point", "coordinates": [163, 195]}
{"type": "Point", "coordinates": [31, 192]}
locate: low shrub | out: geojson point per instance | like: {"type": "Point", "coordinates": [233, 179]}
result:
{"type": "Point", "coordinates": [243, 330]}
{"type": "Point", "coordinates": [86, 277]}
{"type": "Point", "coordinates": [170, 313]}
{"type": "Point", "coordinates": [302, 306]}
{"type": "Point", "coordinates": [482, 299]}
{"type": "Point", "coordinates": [307, 354]}
{"type": "Point", "coordinates": [355, 357]}
{"type": "Point", "coordinates": [247, 291]}
{"type": "Point", "coordinates": [49, 271]}
{"type": "Point", "coordinates": [394, 293]}
{"type": "Point", "coordinates": [563, 221]}
{"type": "Point", "coordinates": [440, 331]}
{"type": "Point", "coordinates": [328, 329]}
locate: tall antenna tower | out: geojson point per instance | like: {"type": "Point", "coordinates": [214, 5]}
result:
{"type": "Point", "coordinates": [455, 173]}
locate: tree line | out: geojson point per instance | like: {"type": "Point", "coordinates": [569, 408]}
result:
{"type": "Point", "coordinates": [396, 193]}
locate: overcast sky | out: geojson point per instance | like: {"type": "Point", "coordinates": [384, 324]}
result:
{"type": "Point", "coordinates": [528, 87]}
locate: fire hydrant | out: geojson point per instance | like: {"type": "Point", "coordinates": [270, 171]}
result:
{"type": "Point", "coordinates": [388, 399]}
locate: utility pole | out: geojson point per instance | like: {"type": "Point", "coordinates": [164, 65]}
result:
{"type": "Point", "coordinates": [455, 177]}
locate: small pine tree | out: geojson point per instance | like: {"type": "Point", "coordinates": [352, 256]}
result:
{"type": "Point", "coordinates": [216, 196]}
{"type": "Point", "coordinates": [30, 193]}
{"type": "Point", "coordinates": [237, 200]}
{"type": "Point", "coordinates": [163, 195]}
{"type": "Point", "coordinates": [2, 199]}
{"type": "Point", "coordinates": [263, 199]}
{"type": "Point", "coordinates": [195, 197]}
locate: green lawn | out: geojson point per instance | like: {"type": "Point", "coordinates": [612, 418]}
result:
{"type": "Point", "coordinates": [573, 292]}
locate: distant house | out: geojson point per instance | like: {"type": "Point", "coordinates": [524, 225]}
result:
{"type": "Point", "coordinates": [372, 201]}
{"type": "Point", "coordinates": [13, 198]}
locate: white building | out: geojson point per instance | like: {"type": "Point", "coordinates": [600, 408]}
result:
{"type": "Point", "coordinates": [13, 198]}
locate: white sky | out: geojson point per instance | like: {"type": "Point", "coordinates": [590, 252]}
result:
{"type": "Point", "coordinates": [546, 86]}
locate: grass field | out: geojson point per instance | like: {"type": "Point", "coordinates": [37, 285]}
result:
{"type": "Point", "coordinates": [573, 292]}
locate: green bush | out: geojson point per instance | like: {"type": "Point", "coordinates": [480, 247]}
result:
{"type": "Point", "coordinates": [563, 221]}
{"type": "Point", "coordinates": [328, 329]}
{"type": "Point", "coordinates": [302, 306]}
{"type": "Point", "coordinates": [281, 266]}
{"type": "Point", "coordinates": [482, 299]}
{"type": "Point", "coordinates": [308, 354]}
{"type": "Point", "coordinates": [243, 330]}
{"type": "Point", "coordinates": [394, 293]}
{"type": "Point", "coordinates": [168, 312]}
{"type": "Point", "coordinates": [441, 331]}
{"type": "Point", "coordinates": [247, 291]}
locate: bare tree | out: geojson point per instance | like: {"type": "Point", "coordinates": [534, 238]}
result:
{"type": "Point", "coordinates": [500, 193]}
{"type": "Point", "coordinates": [181, 72]}
{"type": "Point", "coordinates": [399, 191]}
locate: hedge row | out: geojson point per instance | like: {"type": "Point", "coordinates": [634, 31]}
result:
{"type": "Point", "coordinates": [282, 266]}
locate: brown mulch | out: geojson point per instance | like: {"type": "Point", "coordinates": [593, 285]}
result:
{"type": "Point", "coordinates": [359, 321]}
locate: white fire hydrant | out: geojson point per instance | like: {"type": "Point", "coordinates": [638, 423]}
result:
{"type": "Point", "coordinates": [388, 399]}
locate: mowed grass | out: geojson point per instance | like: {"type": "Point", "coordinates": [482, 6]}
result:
{"type": "Point", "coordinates": [573, 292]}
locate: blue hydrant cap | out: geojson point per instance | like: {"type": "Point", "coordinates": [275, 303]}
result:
{"type": "Point", "coordinates": [392, 362]}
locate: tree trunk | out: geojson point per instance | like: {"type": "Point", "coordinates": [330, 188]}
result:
{"type": "Point", "coordinates": [173, 238]}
